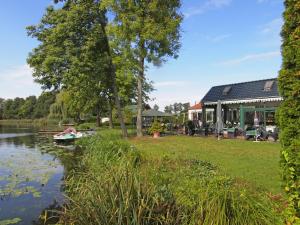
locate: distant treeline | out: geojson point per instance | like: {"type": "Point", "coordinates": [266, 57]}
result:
{"type": "Point", "coordinates": [31, 107]}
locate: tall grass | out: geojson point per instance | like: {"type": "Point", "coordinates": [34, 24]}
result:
{"type": "Point", "coordinates": [114, 185]}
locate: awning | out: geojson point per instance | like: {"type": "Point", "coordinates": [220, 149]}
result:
{"type": "Point", "coordinates": [239, 101]}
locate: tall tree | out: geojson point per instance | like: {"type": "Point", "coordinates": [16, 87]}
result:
{"type": "Point", "coordinates": [289, 112]}
{"type": "Point", "coordinates": [2, 102]}
{"type": "Point", "coordinates": [156, 107]}
{"type": "Point", "coordinates": [27, 109]}
{"type": "Point", "coordinates": [152, 32]}
{"type": "Point", "coordinates": [169, 109]}
{"type": "Point", "coordinates": [43, 103]}
{"type": "Point", "coordinates": [75, 55]}
{"type": "Point", "coordinates": [8, 111]}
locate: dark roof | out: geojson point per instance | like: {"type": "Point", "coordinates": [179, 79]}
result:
{"type": "Point", "coordinates": [148, 113]}
{"type": "Point", "coordinates": [241, 91]}
{"type": "Point", "coordinates": [155, 113]}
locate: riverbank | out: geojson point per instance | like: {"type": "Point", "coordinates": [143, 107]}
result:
{"type": "Point", "coordinates": [117, 183]}
{"type": "Point", "coordinates": [30, 122]}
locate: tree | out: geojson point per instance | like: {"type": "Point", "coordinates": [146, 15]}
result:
{"type": "Point", "coordinates": [2, 101]}
{"type": "Point", "coordinates": [27, 109]}
{"type": "Point", "coordinates": [151, 30]}
{"type": "Point", "coordinates": [169, 109]}
{"type": "Point", "coordinates": [43, 103]}
{"type": "Point", "coordinates": [289, 112]}
{"type": "Point", "coordinates": [185, 107]}
{"type": "Point", "coordinates": [75, 55]}
{"type": "Point", "coordinates": [7, 109]}
{"type": "Point", "coordinates": [156, 107]}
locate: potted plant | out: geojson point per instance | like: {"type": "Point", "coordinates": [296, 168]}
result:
{"type": "Point", "coordinates": [156, 129]}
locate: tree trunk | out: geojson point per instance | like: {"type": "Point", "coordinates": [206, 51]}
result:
{"type": "Point", "coordinates": [111, 125]}
{"type": "Point", "coordinates": [139, 105]}
{"type": "Point", "coordinates": [98, 118]}
{"type": "Point", "coordinates": [114, 82]}
{"type": "Point", "coordinates": [140, 80]}
{"type": "Point", "coordinates": [118, 105]}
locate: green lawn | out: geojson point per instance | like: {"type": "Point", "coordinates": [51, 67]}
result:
{"type": "Point", "coordinates": [257, 163]}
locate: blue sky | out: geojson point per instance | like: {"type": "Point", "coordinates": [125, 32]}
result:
{"type": "Point", "coordinates": [223, 41]}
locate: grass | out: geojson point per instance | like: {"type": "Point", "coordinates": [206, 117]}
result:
{"type": "Point", "coordinates": [159, 182]}
{"type": "Point", "coordinates": [257, 163]}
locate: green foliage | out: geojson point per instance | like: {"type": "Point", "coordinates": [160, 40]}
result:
{"type": "Point", "coordinates": [2, 101]}
{"type": "Point", "coordinates": [29, 108]}
{"type": "Point", "coordinates": [74, 55]}
{"type": "Point", "coordinates": [42, 107]}
{"type": "Point", "coordinates": [289, 112]}
{"type": "Point", "coordinates": [76, 58]}
{"type": "Point", "coordinates": [177, 108]}
{"type": "Point", "coordinates": [156, 127]}
{"type": "Point", "coordinates": [114, 184]}
{"type": "Point", "coordinates": [144, 31]}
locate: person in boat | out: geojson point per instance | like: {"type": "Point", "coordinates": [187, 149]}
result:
{"type": "Point", "coordinates": [69, 130]}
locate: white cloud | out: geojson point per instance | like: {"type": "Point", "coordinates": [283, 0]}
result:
{"type": "Point", "coordinates": [269, 1]}
{"type": "Point", "coordinates": [220, 37]}
{"type": "Point", "coordinates": [262, 1]}
{"type": "Point", "coordinates": [171, 84]}
{"type": "Point", "coordinates": [251, 57]}
{"type": "Point", "coordinates": [270, 33]}
{"type": "Point", "coordinates": [206, 6]}
{"type": "Point", "coordinates": [273, 27]}
{"type": "Point", "coordinates": [17, 81]}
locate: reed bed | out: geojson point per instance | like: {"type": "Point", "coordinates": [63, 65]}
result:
{"type": "Point", "coordinates": [114, 185]}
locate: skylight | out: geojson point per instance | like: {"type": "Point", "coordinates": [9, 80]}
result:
{"type": "Point", "coordinates": [226, 90]}
{"type": "Point", "coordinates": [268, 85]}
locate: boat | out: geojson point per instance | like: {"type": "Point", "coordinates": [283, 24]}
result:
{"type": "Point", "coordinates": [70, 134]}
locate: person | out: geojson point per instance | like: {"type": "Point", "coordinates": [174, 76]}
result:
{"type": "Point", "coordinates": [69, 130]}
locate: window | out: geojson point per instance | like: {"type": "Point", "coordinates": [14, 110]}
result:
{"type": "Point", "coordinates": [268, 85]}
{"type": "Point", "coordinates": [270, 118]}
{"type": "Point", "coordinates": [209, 116]}
{"type": "Point", "coordinates": [226, 90]}
{"type": "Point", "coordinates": [194, 116]}
{"type": "Point", "coordinates": [199, 115]}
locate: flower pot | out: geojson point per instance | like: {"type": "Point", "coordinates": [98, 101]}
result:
{"type": "Point", "coordinates": [156, 134]}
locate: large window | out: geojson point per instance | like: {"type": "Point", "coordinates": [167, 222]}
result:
{"type": "Point", "coordinates": [209, 116]}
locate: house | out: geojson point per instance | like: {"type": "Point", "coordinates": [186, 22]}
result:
{"type": "Point", "coordinates": [195, 113]}
{"type": "Point", "coordinates": [150, 115]}
{"type": "Point", "coordinates": [242, 103]}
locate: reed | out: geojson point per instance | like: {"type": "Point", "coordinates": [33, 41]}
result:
{"type": "Point", "coordinates": [113, 185]}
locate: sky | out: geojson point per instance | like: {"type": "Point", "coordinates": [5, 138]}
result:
{"type": "Point", "coordinates": [223, 42]}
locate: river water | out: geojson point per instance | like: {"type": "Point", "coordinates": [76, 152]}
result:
{"type": "Point", "coordinates": [31, 175]}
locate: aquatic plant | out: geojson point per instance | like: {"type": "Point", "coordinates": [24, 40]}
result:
{"type": "Point", "coordinates": [10, 221]}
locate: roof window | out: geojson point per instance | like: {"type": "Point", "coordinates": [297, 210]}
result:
{"type": "Point", "coordinates": [268, 85]}
{"type": "Point", "coordinates": [226, 90]}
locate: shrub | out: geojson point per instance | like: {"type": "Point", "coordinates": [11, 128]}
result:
{"type": "Point", "coordinates": [156, 127]}
{"type": "Point", "coordinates": [289, 112]}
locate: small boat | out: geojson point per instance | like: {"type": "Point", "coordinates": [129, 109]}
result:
{"type": "Point", "coordinates": [70, 134]}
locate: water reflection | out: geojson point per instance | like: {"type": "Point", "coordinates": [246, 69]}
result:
{"type": "Point", "coordinates": [31, 174]}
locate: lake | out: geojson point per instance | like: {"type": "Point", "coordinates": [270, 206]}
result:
{"type": "Point", "coordinates": [32, 169]}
